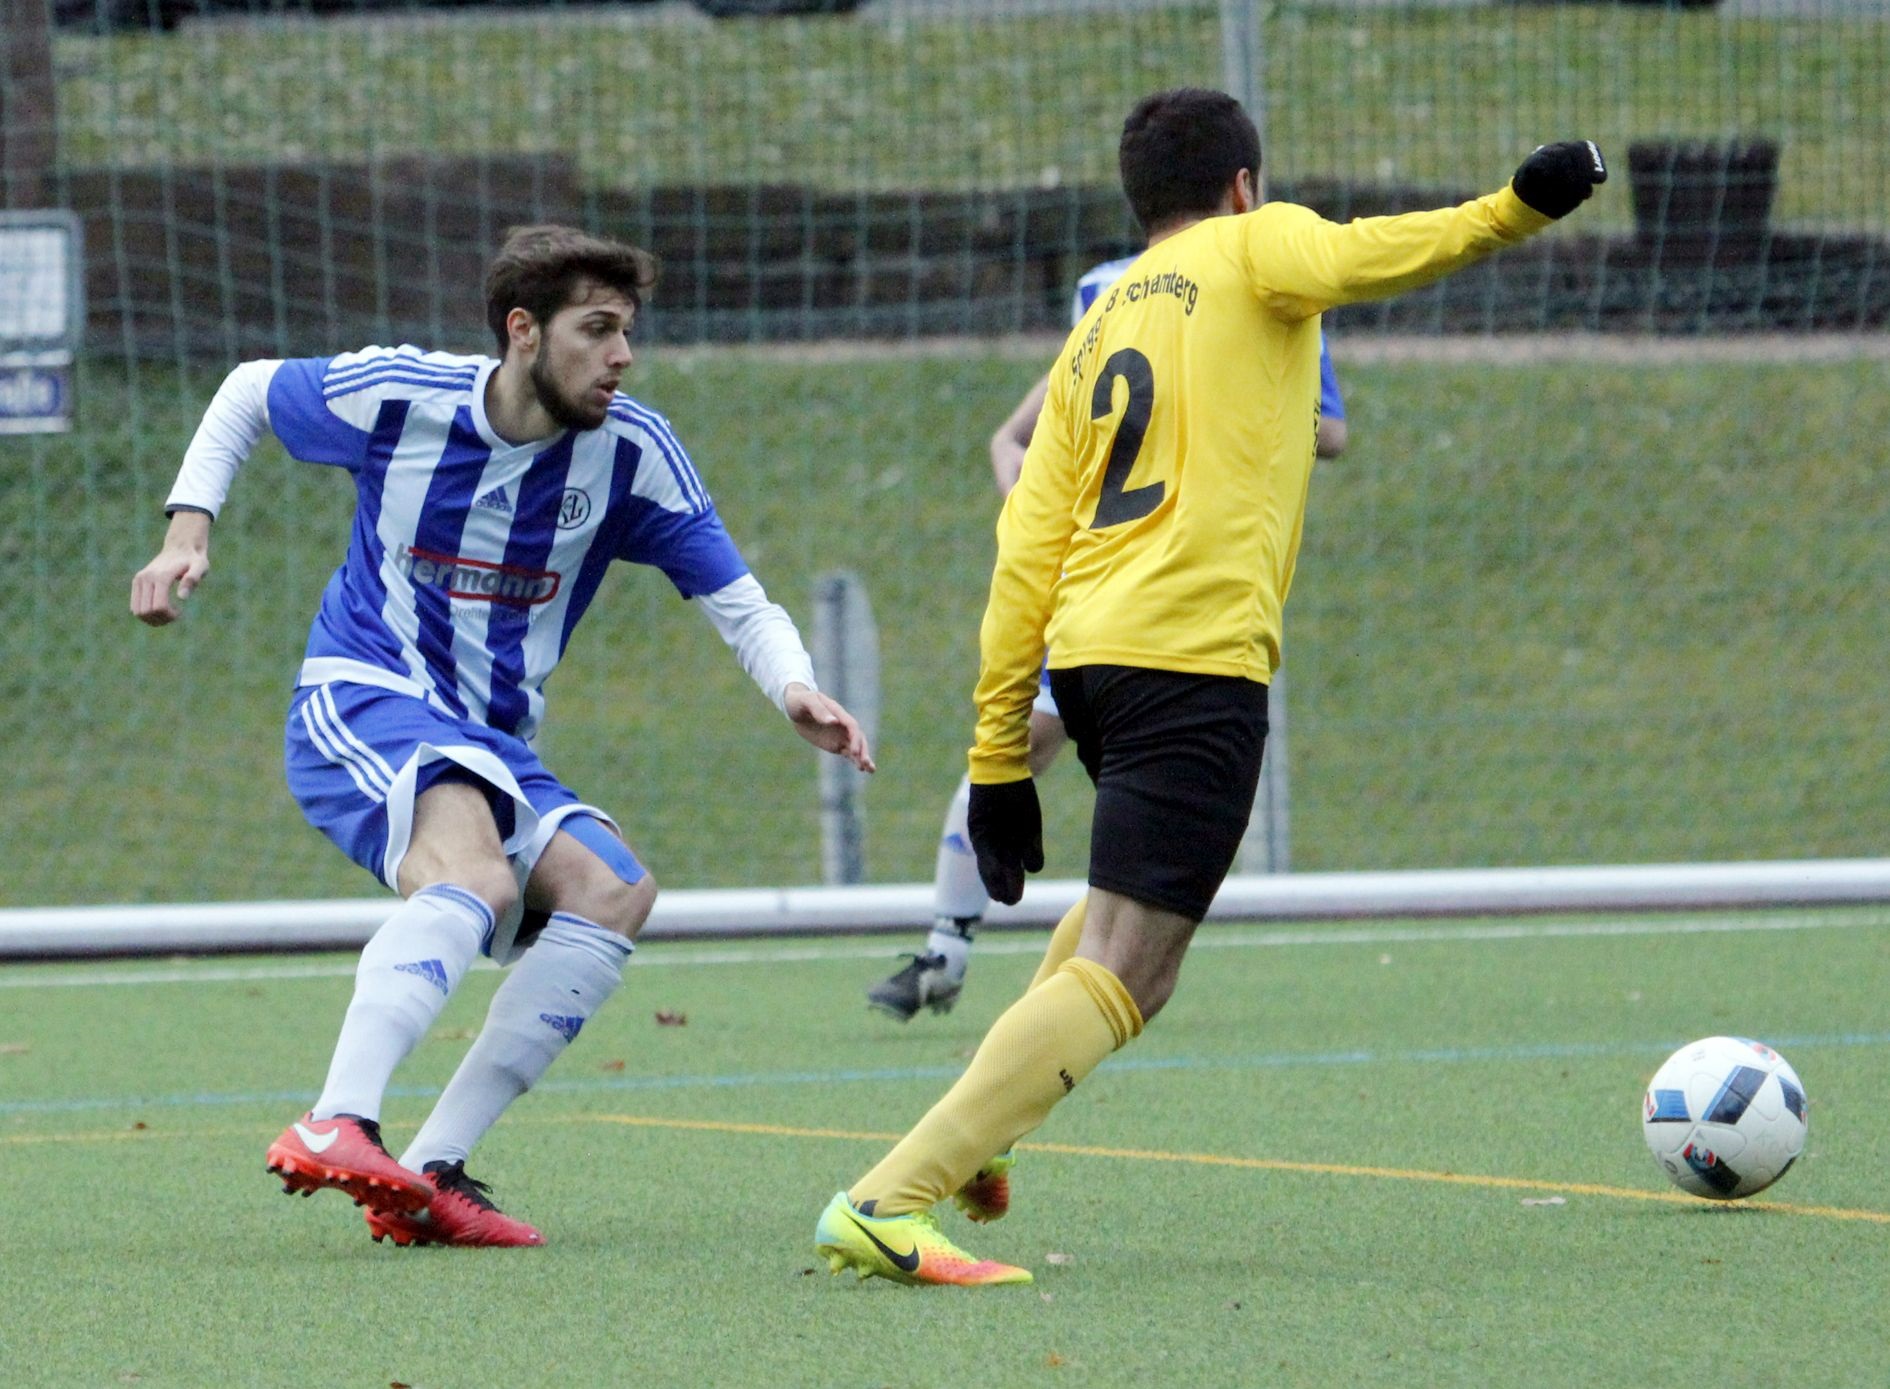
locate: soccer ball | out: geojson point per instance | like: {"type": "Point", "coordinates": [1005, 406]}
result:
{"type": "Point", "coordinates": [1724, 1117]}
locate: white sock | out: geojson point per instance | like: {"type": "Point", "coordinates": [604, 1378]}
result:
{"type": "Point", "coordinates": [957, 891]}
{"type": "Point", "coordinates": [564, 978]}
{"type": "Point", "coordinates": [952, 939]}
{"type": "Point", "coordinates": [407, 972]}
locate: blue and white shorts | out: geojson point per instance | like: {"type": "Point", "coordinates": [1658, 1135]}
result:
{"type": "Point", "coordinates": [359, 757]}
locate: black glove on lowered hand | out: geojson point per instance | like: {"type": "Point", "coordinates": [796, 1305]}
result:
{"type": "Point", "coordinates": [1557, 179]}
{"type": "Point", "coordinates": [1006, 825]}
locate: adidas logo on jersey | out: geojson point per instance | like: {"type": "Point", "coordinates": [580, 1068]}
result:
{"type": "Point", "coordinates": [564, 1026]}
{"type": "Point", "coordinates": [495, 500]}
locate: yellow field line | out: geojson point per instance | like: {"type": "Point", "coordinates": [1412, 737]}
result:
{"type": "Point", "coordinates": [1323, 1169]}
{"type": "Point", "coordinates": [1317, 1169]}
{"type": "Point", "coordinates": [651, 1121]}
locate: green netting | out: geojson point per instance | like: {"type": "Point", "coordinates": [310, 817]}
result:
{"type": "Point", "coordinates": [1617, 604]}
{"type": "Point", "coordinates": [931, 167]}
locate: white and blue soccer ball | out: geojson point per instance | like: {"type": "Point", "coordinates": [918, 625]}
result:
{"type": "Point", "coordinates": [1724, 1117]}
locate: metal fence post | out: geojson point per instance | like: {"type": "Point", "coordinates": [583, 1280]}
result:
{"type": "Point", "coordinates": [1241, 58]}
{"type": "Point", "coordinates": [846, 662]}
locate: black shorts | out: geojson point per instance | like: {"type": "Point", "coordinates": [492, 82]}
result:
{"type": "Point", "coordinates": [1176, 761]}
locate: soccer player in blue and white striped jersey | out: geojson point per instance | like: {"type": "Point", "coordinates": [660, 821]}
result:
{"type": "Point", "coordinates": [492, 494]}
{"type": "Point", "coordinates": [935, 975]}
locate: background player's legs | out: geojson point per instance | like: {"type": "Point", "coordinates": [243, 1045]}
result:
{"type": "Point", "coordinates": [933, 977]}
{"type": "Point", "coordinates": [937, 973]}
{"type": "Point", "coordinates": [958, 896]}
{"type": "Point", "coordinates": [1047, 738]}
{"type": "Point", "coordinates": [598, 897]}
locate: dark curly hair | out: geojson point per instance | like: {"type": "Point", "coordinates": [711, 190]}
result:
{"type": "Point", "coordinates": [538, 269]}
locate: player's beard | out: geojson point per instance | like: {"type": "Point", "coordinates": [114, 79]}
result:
{"type": "Point", "coordinates": [564, 412]}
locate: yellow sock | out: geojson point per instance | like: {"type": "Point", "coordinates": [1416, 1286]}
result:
{"type": "Point", "coordinates": [1033, 1056]}
{"type": "Point", "coordinates": [1063, 942]}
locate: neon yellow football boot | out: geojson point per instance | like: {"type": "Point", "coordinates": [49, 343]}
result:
{"type": "Point", "coordinates": [905, 1248]}
{"type": "Point", "coordinates": [987, 1196]}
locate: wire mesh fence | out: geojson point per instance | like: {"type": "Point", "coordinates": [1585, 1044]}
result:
{"type": "Point", "coordinates": [1613, 605]}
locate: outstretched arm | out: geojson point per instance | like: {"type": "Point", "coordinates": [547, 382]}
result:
{"type": "Point", "coordinates": [828, 726]}
{"type": "Point", "coordinates": [1303, 264]}
{"type": "Point", "coordinates": [768, 645]}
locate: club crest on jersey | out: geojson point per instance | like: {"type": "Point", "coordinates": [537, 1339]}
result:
{"type": "Point", "coordinates": [478, 579]}
{"type": "Point", "coordinates": [574, 508]}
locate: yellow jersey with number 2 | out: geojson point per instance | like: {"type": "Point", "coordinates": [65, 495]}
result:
{"type": "Point", "coordinates": [1158, 516]}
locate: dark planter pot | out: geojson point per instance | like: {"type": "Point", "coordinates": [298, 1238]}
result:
{"type": "Point", "coordinates": [1703, 199]}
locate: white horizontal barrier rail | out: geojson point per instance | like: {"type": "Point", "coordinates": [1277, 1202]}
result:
{"type": "Point", "coordinates": [685, 913]}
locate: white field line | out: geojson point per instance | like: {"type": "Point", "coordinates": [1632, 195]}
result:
{"type": "Point", "coordinates": [1211, 937]}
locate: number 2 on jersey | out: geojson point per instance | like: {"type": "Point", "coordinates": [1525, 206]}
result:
{"type": "Point", "coordinates": [1117, 503]}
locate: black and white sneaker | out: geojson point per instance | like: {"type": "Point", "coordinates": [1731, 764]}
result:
{"type": "Point", "coordinates": [924, 983]}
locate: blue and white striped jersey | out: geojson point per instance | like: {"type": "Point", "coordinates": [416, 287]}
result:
{"type": "Point", "coordinates": [472, 559]}
{"type": "Point", "coordinates": [1099, 278]}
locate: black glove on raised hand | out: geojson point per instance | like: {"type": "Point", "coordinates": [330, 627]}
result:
{"type": "Point", "coordinates": [1557, 179]}
{"type": "Point", "coordinates": [1006, 825]}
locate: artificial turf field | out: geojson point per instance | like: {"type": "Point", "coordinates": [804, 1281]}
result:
{"type": "Point", "coordinates": [1397, 1154]}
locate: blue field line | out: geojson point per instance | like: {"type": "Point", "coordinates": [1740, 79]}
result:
{"type": "Point", "coordinates": [1130, 1065]}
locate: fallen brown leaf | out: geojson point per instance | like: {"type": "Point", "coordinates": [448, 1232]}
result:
{"type": "Point", "coordinates": [616, 1065]}
{"type": "Point", "coordinates": [665, 1018]}
{"type": "Point", "coordinates": [139, 1126]}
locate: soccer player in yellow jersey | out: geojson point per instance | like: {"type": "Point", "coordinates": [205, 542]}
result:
{"type": "Point", "coordinates": [1150, 543]}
